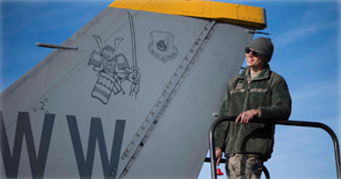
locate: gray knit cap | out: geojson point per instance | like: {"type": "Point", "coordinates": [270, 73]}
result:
{"type": "Point", "coordinates": [264, 46]}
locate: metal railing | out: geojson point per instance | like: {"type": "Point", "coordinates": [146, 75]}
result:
{"type": "Point", "coordinates": [288, 123]}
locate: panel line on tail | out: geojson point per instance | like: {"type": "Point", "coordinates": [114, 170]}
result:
{"type": "Point", "coordinates": [142, 135]}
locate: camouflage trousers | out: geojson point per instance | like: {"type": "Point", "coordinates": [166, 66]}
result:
{"type": "Point", "coordinates": [243, 166]}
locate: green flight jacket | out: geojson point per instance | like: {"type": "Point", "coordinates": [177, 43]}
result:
{"type": "Point", "coordinates": [269, 93]}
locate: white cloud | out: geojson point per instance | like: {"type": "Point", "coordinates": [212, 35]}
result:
{"type": "Point", "coordinates": [316, 89]}
{"type": "Point", "coordinates": [302, 32]}
{"type": "Point", "coordinates": [310, 23]}
{"type": "Point", "coordinates": [316, 99]}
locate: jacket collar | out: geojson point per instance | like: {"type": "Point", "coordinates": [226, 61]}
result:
{"type": "Point", "coordinates": [265, 73]}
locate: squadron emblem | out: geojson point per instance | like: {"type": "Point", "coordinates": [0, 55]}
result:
{"type": "Point", "coordinates": [162, 46]}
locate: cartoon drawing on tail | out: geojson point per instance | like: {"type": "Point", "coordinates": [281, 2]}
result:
{"type": "Point", "coordinates": [113, 68]}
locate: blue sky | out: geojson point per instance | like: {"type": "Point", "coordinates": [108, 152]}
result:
{"type": "Point", "coordinates": [306, 36]}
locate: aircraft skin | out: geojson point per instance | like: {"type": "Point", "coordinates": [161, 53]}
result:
{"type": "Point", "coordinates": [137, 94]}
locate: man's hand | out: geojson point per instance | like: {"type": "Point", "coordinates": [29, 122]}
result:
{"type": "Point", "coordinates": [247, 116]}
{"type": "Point", "coordinates": [218, 155]}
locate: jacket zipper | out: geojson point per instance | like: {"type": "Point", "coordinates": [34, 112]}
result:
{"type": "Point", "coordinates": [248, 81]}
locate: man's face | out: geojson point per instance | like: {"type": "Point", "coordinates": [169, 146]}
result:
{"type": "Point", "coordinates": [253, 61]}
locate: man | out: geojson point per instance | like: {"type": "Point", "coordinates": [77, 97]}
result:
{"type": "Point", "coordinates": [256, 93]}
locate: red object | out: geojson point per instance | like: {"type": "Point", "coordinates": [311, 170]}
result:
{"type": "Point", "coordinates": [219, 172]}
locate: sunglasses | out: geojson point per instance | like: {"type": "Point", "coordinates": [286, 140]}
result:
{"type": "Point", "coordinates": [254, 52]}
